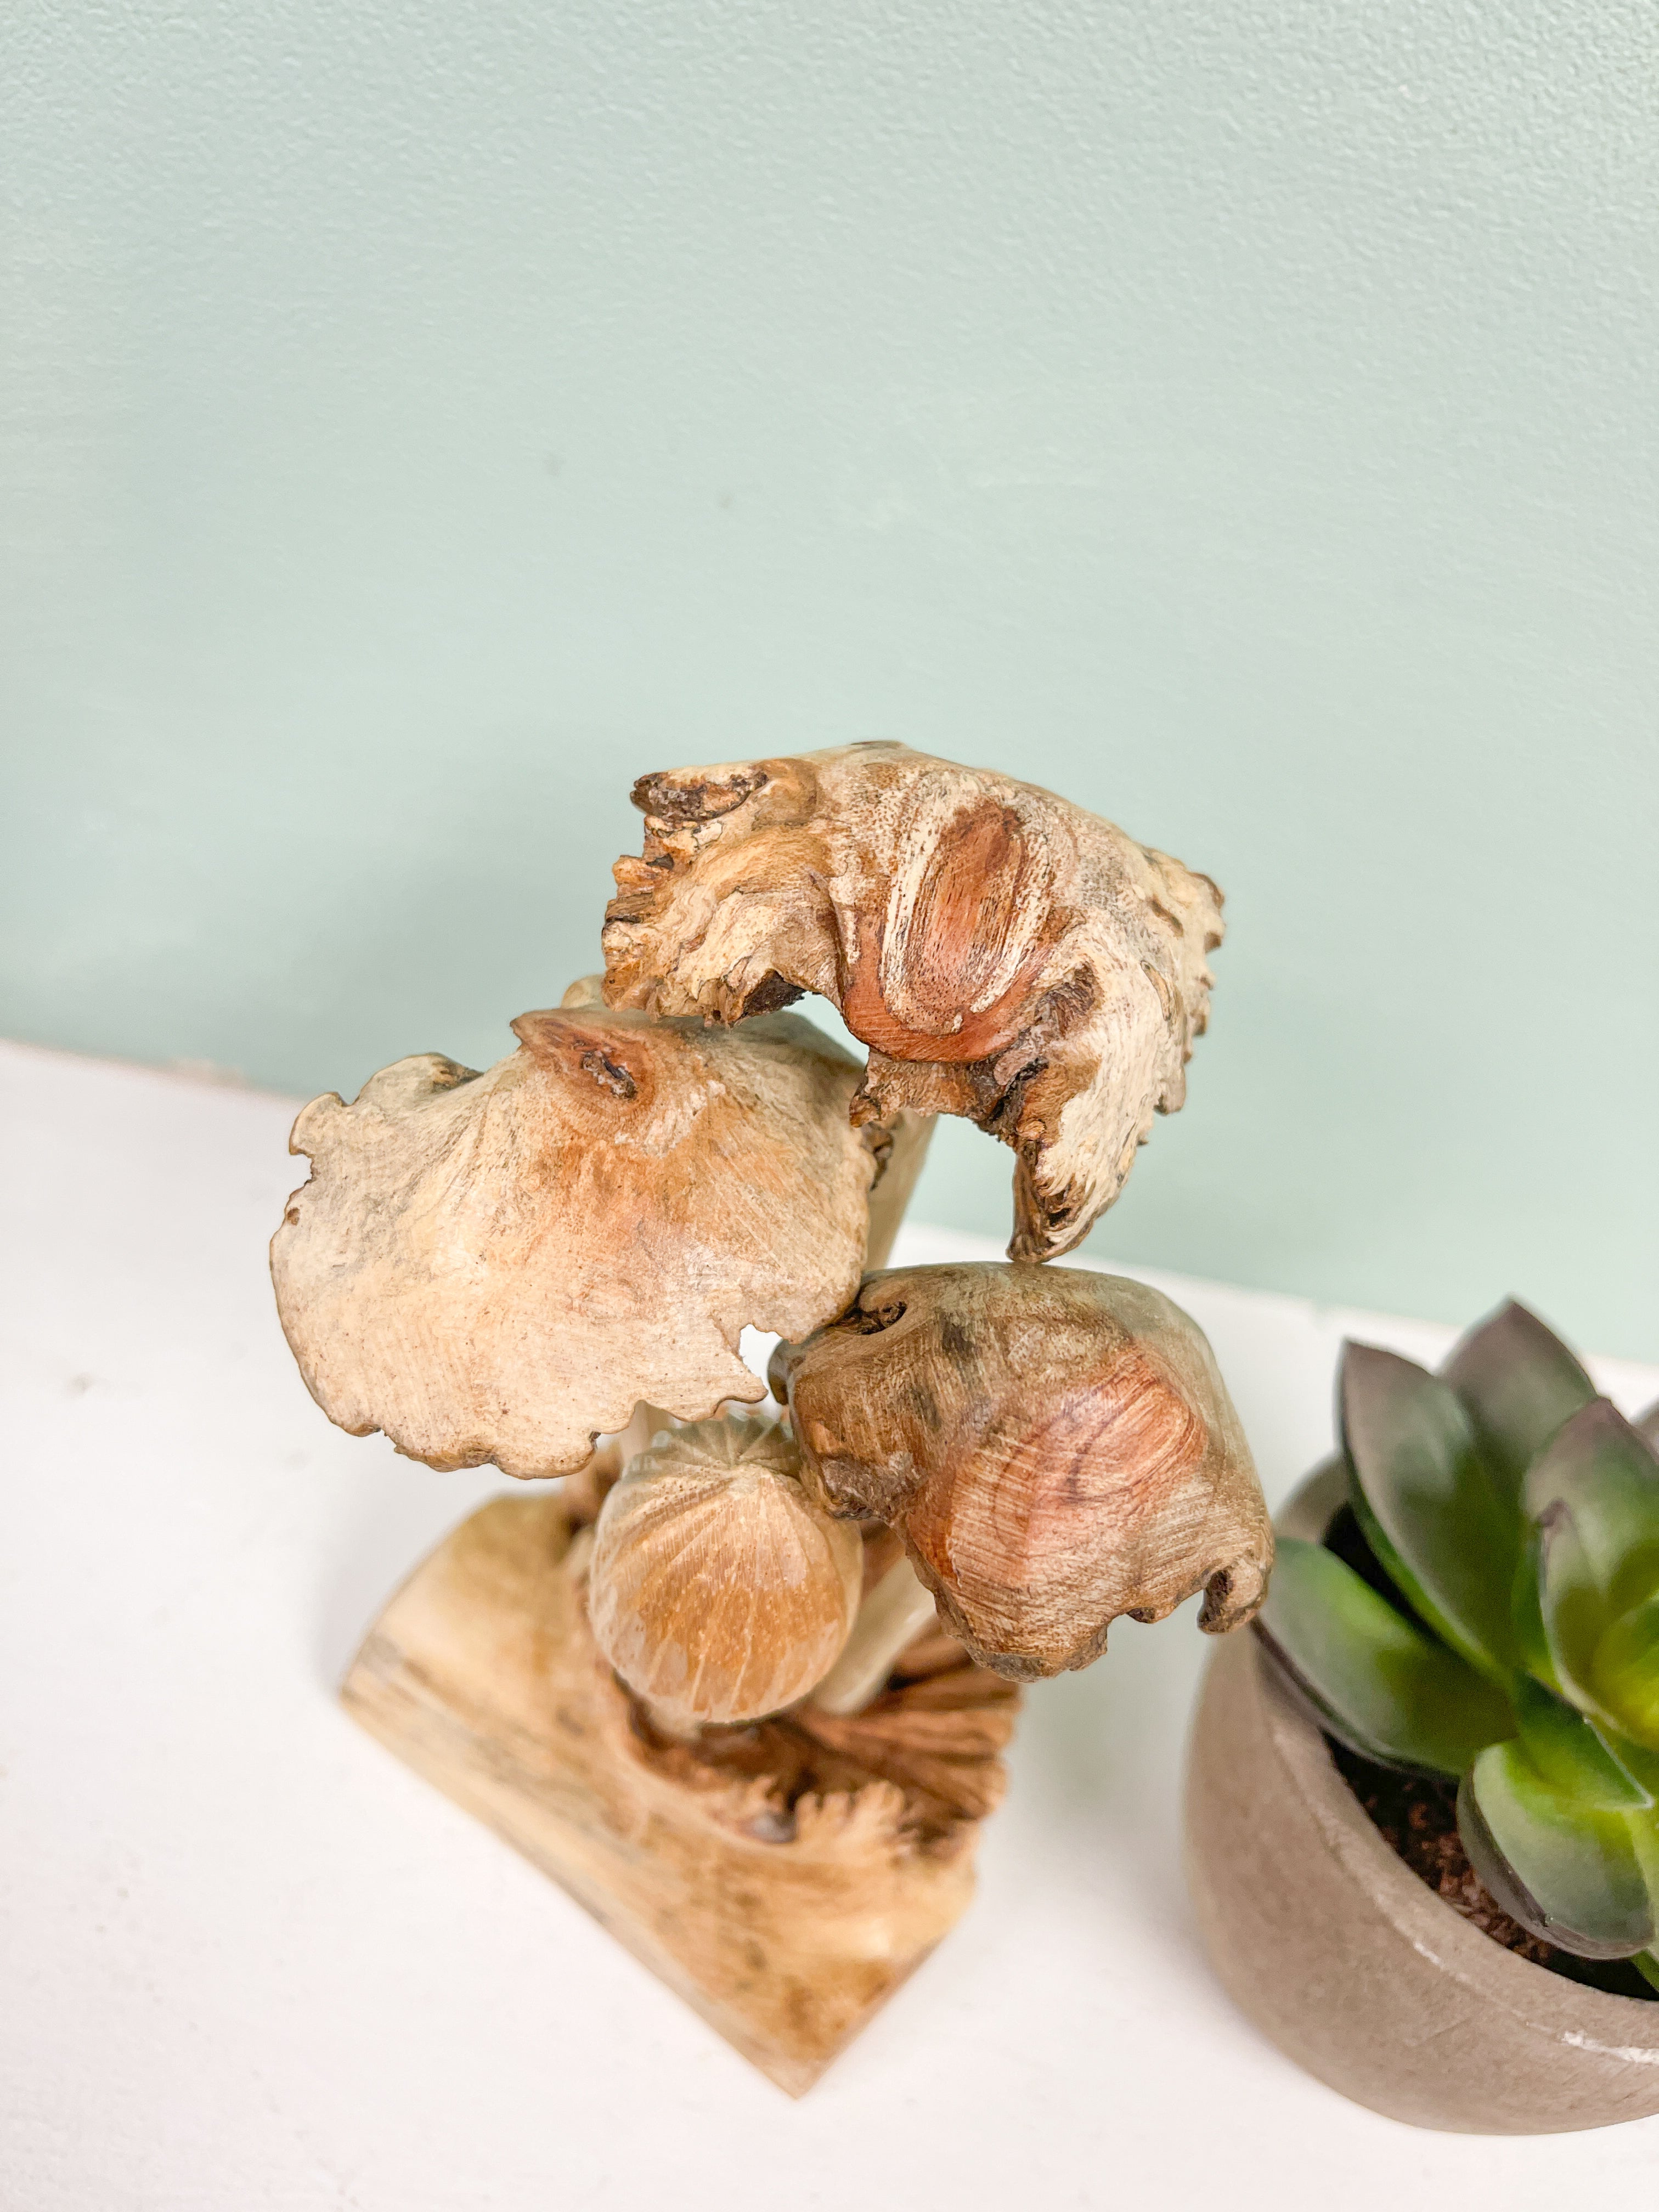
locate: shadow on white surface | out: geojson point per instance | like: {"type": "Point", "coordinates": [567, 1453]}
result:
{"type": "Point", "coordinates": [385, 1527]}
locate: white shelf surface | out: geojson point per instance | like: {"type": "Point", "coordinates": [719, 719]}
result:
{"type": "Point", "coordinates": [252, 1963]}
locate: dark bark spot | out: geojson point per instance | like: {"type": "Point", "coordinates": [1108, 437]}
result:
{"type": "Point", "coordinates": [664, 798]}
{"type": "Point", "coordinates": [923, 1405]}
{"type": "Point", "coordinates": [871, 1320]}
{"type": "Point", "coordinates": [954, 1341]}
{"type": "Point", "coordinates": [610, 1074]}
{"type": "Point", "coordinates": [769, 996]}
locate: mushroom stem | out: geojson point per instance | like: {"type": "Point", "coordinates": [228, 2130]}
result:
{"type": "Point", "coordinates": [902, 1156]}
{"type": "Point", "coordinates": [892, 1616]}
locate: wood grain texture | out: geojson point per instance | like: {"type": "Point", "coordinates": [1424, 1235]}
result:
{"type": "Point", "coordinates": [783, 1879]}
{"type": "Point", "coordinates": [718, 1591]}
{"type": "Point", "coordinates": [1003, 954]}
{"type": "Point", "coordinates": [497, 1267]}
{"type": "Point", "coordinates": [1056, 1447]}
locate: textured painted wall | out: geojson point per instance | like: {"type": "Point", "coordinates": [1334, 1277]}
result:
{"type": "Point", "coordinates": [416, 420]}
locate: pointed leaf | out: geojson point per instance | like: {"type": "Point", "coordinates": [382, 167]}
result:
{"type": "Point", "coordinates": [1568, 1872]}
{"type": "Point", "coordinates": [1427, 1504]}
{"type": "Point", "coordinates": [1573, 1608]}
{"type": "Point", "coordinates": [1381, 1686]}
{"type": "Point", "coordinates": [1609, 1669]}
{"type": "Point", "coordinates": [1646, 1425]}
{"type": "Point", "coordinates": [1532, 1648]}
{"type": "Point", "coordinates": [1641, 1763]}
{"type": "Point", "coordinates": [1625, 1673]}
{"type": "Point", "coordinates": [1607, 1474]}
{"type": "Point", "coordinates": [1518, 1382]}
{"type": "Point", "coordinates": [1646, 1963]}
{"type": "Point", "coordinates": [1570, 1756]}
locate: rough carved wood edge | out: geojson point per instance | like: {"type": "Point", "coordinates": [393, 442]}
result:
{"type": "Point", "coordinates": [784, 1878]}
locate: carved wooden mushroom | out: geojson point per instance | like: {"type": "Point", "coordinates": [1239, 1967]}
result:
{"type": "Point", "coordinates": [717, 1589]}
{"type": "Point", "coordinates": [1003, 954]}
{"type": "Point", "coordinates": [499, 1266]}
{"type": "Point", "coordinates": [1055, 1447]}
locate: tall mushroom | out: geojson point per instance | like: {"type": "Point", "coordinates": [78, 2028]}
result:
{"type": "Point", "coordinates": [1056, 1447]}
{"type": "Point", "coordinates": [1003, 954]}
{"type": "Point", "coordinates": [499, 1266]}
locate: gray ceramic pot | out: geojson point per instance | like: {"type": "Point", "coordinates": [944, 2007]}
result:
{"type": "Point", "coordinates": [1353, 1967]}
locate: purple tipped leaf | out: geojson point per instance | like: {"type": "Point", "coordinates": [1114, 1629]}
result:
{"type": "Point", "coordinates": [1518, 1382]}
{"type": "Point", "coordinates": [1571, 1874]}
{"type": "Point", "coordinates": [1646, 1425]}
{"type": "Point", "coordinates": [1426, 1501]}
{"type": "Point", "coordinates": [1377, 1681]}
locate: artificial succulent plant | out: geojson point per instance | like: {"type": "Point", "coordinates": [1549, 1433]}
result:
{"type": "Point", "coordinates": [1500, 1622]}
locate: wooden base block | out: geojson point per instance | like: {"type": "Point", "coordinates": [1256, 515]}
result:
{"type": "Point", "coordinates": [784, 1878]}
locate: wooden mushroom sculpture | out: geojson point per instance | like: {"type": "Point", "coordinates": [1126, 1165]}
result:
{"type": "Point", "coordinates": [717, 1589]}
{"type": "Point", "coordinates": [1055, 1447]}
{"type": "Point", "coordinates": [499, 1266]}
{"type": "Point", "coordinates": [1003, 954]}
{"type": "Point", "coordinates": [743, 1686]}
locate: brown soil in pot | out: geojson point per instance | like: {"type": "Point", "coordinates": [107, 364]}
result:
{"type": "Point", "coordinates": [1417, 1816]}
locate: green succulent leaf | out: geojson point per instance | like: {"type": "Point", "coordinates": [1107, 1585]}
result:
{"type": "Point", "coordinates": [1590, 1698]}
{"type": "Point", "coordinates": [1595, 1495]}
{"type": "Point", "coordinates": [1572, 1607]}
{"type": "Point", "coordinates": [1639, 1762]}
{"type": "Point", "coordinates": [1646, 1425]}
{"type": "Point", "coordinates": [1428, 1505]}
{"type": "Point", "coordinates": [1646, 1963]}
{"type": "Point", "coordinates": [1570, 1873]}
{"type": "Point", "coordinates": [1625, 1673]}
{"type": "Point", "coordinates": [1518, 1382]}
{"type": "Point", "coordinates": [1607, 1474]}
{"type": "Point", "coordinates": [1569, 1754]}
{"type": "Point", "coordinates": [1532, 1643]}
{"type": "Point", "coordinates": [1381, 1684]}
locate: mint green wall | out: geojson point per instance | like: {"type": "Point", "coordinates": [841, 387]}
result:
{"type": "Point", "coordinates": [416, 420]}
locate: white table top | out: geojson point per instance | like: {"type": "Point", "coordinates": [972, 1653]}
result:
{"type": "Point", "coordinates": [252, 1963]}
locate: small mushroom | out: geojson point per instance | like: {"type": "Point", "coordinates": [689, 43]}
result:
{"type": "Point", "coordinates": [500, 1265]}
{"type": "Point", "coordinates": [717, 1591]}
{"type": "Point", "coordinates": [1003, 954]}
{"type": "Point", "coordinates": [1056, 1447]}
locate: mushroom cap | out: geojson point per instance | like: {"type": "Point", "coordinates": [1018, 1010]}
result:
{"type": "Point", "coordinates": [500, 1265]}
{"type": "Point", "coordinates": [717, 1591]}
{"type": "Point", "coordinates": [1056, 1447]}
{"type": "Point", "coordinates": [1004, 954]}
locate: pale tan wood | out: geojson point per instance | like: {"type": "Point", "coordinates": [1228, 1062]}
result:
{"type": "Point", "coordinates": [717, 1589]}
{"type": "Point", "coordinates": [784, 1879]}
{"type": "Point", "coordinates": [895, 1611]}
{"type": "Point", "coordinates": [498, 1266]}
{"type": "Point", "coordinates": [1005, 954]}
